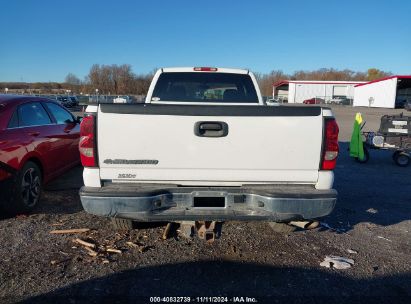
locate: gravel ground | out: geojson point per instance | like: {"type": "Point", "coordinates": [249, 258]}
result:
{"type": "Point", "coordinates": [373, 218]}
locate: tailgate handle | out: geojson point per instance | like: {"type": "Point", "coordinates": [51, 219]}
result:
{"type": "Point", "coordinates": [211, 129]}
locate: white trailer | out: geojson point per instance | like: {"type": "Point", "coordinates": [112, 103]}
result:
{"type": "Point", "coordinates": [296, 91]}
{"type": "Point", "coordinates": [383, 93]}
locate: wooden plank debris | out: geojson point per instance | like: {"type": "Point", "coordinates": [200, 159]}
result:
{"type": "Point", "coordinates": [91, 252]}
{"type": "Point", "coordinates": [84, 243]}
{"type": "Point", "coordinates": [69, 231]}
{"type": "Point", "coordinates": [112, 250]}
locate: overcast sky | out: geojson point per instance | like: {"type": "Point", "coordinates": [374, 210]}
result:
{"type": "Point", "coordinates": [44, 40]}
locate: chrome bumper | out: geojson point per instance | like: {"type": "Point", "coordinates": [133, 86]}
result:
{"type": "Point", "coordinates": [142, 202]}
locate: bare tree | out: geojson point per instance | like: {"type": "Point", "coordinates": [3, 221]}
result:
{"type": "Point", "coordinates": [112, 79]}
{"type": "Point", "coordinates": [374, 73]}
{"type": "Point", "coordinates": [72, 79]}
{"type": "Point", "coordinates": [72, 82]}
{"type": "Point", "coordinates": [121, 80]}
{"type": "Point", "coordinates": [266, 81]}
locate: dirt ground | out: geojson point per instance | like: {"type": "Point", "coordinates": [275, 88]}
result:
{"type": "Point", "coordinates": [372, 218]}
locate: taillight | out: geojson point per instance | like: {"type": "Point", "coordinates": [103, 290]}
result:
{"type": "Point", "coordinates": [205, 69]}
{"type": "Point", "coordinates": [330, 149]}
{"type": "Point", "coordinates": [87, 144]}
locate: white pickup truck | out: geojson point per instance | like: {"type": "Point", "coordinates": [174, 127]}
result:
{"type": "Point", "coordinates": [204, 147]}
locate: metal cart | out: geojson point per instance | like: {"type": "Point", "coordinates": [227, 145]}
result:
{"type": "Point", "coordinates": [394, 134]}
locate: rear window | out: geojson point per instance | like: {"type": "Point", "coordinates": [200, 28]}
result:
{"type": "Point", "coordinates": [32, 114]}
{"type": "Point", "coordinates": [61, 115]}
{"type": "Point", "coordinates": [206, 87]}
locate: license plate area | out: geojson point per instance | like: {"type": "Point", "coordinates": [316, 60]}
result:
{"type": "Point", "coordinates": [214, 202]}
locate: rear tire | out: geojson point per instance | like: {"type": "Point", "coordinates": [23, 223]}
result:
{"type": "Point", "coordinates": [28, 188]}
{"type": "Point", "coordinates": [402, 159]}
{"type": "Point", "coordinates": [281, 227]}
{"type": "Point", "coordinates": [366, 156]}
{"type": "Point", "coordinates": [394, 155]}
{"type": "Point", "coordinates": [122, 224]}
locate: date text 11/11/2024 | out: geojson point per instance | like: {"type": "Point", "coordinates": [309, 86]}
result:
{"type": "Point", "coordinates": [203, 300]}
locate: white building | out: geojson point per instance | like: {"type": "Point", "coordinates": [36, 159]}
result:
{"type": "Point", "coordinates": [383, 93]}
{"type": "Point", "coordinates": [296, 91]}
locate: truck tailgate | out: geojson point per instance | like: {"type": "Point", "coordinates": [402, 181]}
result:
{"type": "Point", "coordinates": [158, 143]}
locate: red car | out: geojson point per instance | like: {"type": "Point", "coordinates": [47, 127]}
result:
{"type": "Point", "coordinates": [38, 141]}
{"type": "Point", "coordinates": [313, 100]}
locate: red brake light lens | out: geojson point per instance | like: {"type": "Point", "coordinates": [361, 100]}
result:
{"type": "Point", "coordinates": [87, 142]}
{"type": "Point", "coordinates": [205, 69]}
{"type": "Point", "coordinates": [330, 152]}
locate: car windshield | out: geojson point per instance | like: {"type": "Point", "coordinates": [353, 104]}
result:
{"type": "Point", "coordinates": [206, 87]}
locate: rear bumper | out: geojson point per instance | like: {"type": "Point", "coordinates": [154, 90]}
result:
{"type": "Point", "coordinates": [142, 202]}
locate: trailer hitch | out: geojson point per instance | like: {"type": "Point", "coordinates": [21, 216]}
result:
{"type": "Point", "coordinates": [206, 230]}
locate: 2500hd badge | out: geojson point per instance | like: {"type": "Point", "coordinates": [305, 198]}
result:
{"type": "Point", "coordinates": [122, 175]}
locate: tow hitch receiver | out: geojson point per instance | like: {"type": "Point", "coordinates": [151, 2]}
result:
{"type": "Point", "coordinates": [206, 230]}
